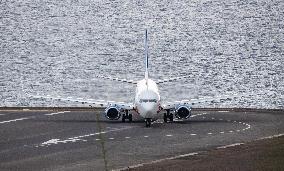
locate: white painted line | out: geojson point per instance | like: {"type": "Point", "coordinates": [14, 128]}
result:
{"type": "Point", "coordinates": [231, 131]}
{"type": "Point", "coordinates": [146, 136]}
{"type": "Point", "coordinates": [169, 135]}
{"type": "Point", "coordinates": [98, 139]}
{"type": "Point", "coordinates": [200, 114]}
{"type": "Point", "coordinates": [50, 114]}
{"type": "Point", "coordinates": [14, 120]}
{"type": "Point", "coordinates": [156, 161]}
{"type": "Point", "coordinates": [111, 138]}
{"type": "Point", "coordinates": [192, 134]}
{"type": "Point", "coordinates": [79, 138]}
{"type": "Point", "coordinates": [231, 145]}
{"type": "Point", "coordinates": [222, 132]}
{"type": "Point", "coordinates": [272, 136]}
{"type": "Point", "coordinates": [238, 130]}
{"type": "Point", "coordinates": [127, 137]}
{"type": "Point", "coordinates": [225, 111]}
{"type": "Point", "coordinates": [209, 133]}
{"type": "Point", "coordinates": [189, 154]}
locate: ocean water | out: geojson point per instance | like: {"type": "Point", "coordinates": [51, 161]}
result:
{"type": "Point", "coordinates": [57, 47]}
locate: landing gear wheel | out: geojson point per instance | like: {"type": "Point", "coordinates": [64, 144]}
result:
{"type": "Point", "coordinates": [123, 118]}
{"type": "Point", "coordinates": [130, 117]}
{"type": "Point", "coordinates": [165, 118]}
{"type": "Point", "coordinates": [148, 122]}
{"type": "Point", "coordinates": [171, 117]}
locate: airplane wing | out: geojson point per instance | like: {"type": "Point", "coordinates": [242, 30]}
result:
{"type": "Point", "coordinates": [172, 79]}
{"type": "Point", "coordinates": [191, 102]}
{"type": "Point", "coordinates": [117, 79]}
{"type": "Point", "coordinates": [91, 102]}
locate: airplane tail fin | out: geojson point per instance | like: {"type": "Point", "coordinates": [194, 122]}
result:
{"type": "Point", "coordinates": [146, 57]}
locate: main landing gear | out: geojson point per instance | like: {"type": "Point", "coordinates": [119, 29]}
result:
{"type": "Point", "coordinates": [126, 116]}
{"type": "Point", "coordinates": [169, 116]}
{"type": "Point", "coordinates": [148, 122]}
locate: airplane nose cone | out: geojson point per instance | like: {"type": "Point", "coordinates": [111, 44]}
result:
{"type": "Point", "coordinates": [148, 110]}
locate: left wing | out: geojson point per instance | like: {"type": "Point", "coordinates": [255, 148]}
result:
{"type": "Point", "coordinates": [182, 109]}
{"type": "Point", "coordinates": [191, 102]}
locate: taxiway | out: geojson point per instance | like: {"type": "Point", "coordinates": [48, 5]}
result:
{"type": "Point", "coordinates": [85, 140]}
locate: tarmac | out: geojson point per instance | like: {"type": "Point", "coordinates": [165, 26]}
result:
{"type": "Point", "coordinates": [86, 140]}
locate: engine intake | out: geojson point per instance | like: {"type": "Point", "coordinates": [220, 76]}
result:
{"type": "Point", "coordinates": [183, 112]}
{"type": "Point", "coordinates": [112, 113]}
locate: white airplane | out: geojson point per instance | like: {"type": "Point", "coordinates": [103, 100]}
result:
{"type": "Point", "coordinates": [147, 100]}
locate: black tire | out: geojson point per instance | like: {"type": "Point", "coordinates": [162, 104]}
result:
{"type": "Point", "coordinates": [165, 118]}
{"type": "Point", "coordinates": [171, 117]}
{"type": "Point", "coordinates": [148, 122]}
{"type": "Point", "coordinates": [123, 118]}
{"type": "Point", "coordinates": [130, 117]}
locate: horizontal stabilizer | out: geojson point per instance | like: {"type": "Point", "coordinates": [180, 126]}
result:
{"type": "Point", "coordinates": [172, 79]}
{"type": "Point", "coordinates": [117, 79]}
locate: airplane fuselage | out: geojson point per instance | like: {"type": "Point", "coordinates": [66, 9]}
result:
{"type": "Point", "coordinates": [147, 99]}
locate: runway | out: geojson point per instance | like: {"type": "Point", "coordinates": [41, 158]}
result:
{"type": "Point", "coordinates": [77, 140]}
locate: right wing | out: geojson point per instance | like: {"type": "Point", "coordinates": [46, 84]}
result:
{"type": "Point", "coordinates": [91, 102]}
{"type": "Point", "coordinates": [113, 110]}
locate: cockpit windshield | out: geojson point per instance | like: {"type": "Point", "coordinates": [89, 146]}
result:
{"type": "Point", "coordinates": [148, 100]}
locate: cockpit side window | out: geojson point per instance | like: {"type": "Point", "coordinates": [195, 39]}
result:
{"type": "Point", "coordinates": [148, 100]}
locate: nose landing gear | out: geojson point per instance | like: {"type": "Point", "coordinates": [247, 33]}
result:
{"type": "Point", "coordinates": [148, 122]}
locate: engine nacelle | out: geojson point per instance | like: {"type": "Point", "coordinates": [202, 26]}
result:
{"type": "Point", "coordinates": [183, 112]}
{"type": "Point", "coordinates": [112, 113]}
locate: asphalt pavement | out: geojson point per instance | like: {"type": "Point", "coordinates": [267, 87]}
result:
{"type": "Point", "coordinates": [85, 140]}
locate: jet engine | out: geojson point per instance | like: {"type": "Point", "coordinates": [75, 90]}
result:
{"type": "Point", "coordinates": [183, 112]}
{"type": "Point", "coordinates": [112, 113]}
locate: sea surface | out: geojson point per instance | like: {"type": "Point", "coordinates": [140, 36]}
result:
{"type": "Point", "coordinates": [51, 47]}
